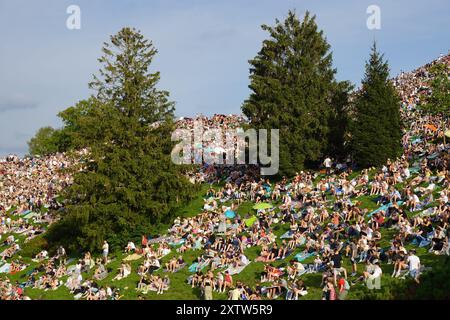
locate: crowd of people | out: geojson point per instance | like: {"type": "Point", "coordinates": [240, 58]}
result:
{"type": "Point", "coordinates": [328, 226]}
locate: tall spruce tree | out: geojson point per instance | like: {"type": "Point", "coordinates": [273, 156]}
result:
{"type": "Point", "coordinates": [292, 87]}
{"type": "Point", "coordinates": [128, 183]}
{"type": "Point", "coordinates": [376, 129]}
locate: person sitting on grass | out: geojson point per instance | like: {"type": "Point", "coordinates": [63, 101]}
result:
{"type": "Point", "coordinates": [101, 272]}
{"type": "Point", "coordinates": [228, 281]}
{"type": "Point", "coordinates": [143, 283]}
{"type": "Point", "coordinates": [162, 284]}
{"type": "Point", "coordinates": [328, 291]}
{"type": "Point", "coordinates": [296, 269]}
{"type": "Point", "coordinates": [414, 265]}
{"type": "Point", "coordinates": [299, 289]}
{"type": "Point", "coordinates": [343, 287]}
{"type": "Point", "coordinates": [373, 275]}
{"type": "Point", "coordinates": [171, 265]}
{"type": "Point", "coordinates": [220, 283]}
{"type": "Point", "coordinates": [124, 271]}
{"type": "Point", "coordinates": [234, 293]}
{"type": "Point", "coordinates": [197, 279]}
{"type": "Point", "coordinates": [131, 247]}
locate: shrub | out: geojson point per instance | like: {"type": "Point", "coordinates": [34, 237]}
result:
{"type": "Point", "coordinates": [34, 246]}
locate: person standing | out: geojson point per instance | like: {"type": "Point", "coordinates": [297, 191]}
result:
{"type": "Point", "coordinates": [234, 293]}
{"type": "Point", "coordinates": [207, 289]}
{"type": "Point", "coordinates": [327, 163]}
{"type": "Point", "coordinates": [105, 252]}
{"type": "Point", "coordinates": [61, 254]}
{"type": "Point", "coordinates": [336, 259]}
{"type": "Point", "coordinates": [354, 256]}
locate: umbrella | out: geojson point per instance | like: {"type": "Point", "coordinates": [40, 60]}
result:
{"type": "Point", "coordinates": [262, 205]}
{"type": "Point", "coordinates": [447, 133]}
{"type": "Point", "coordinates": [430, 126]}
{"type": "Point", "coordinates": [230, 214]}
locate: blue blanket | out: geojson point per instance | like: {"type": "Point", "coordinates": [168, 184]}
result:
{"type": "Point", "coordinates": [287, 235]}
{"type": "Point", "coordinates": [414, 169]}
{"type": "Point", "coordinates": [174, 244]}
{"type": "Point", "coordinates": [384, 208]}
{"type": "Point", "coordinates": [303, 256]}
{"type": "Point", "coordinates": [195, 267]}
{"type": "Point", "coordinates": [5, 268]}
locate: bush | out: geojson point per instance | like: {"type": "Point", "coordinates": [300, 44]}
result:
{"type": "Point", "coordinates": [34, 246]}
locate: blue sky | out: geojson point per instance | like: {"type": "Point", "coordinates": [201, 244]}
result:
{"type": "Point", "coordinates": [204, 47]}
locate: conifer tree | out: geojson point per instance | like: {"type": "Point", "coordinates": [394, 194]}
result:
{"type": "Point", "coordinates": [376, 129]}
{"type": "Point", "coordinates": [128, 183]}
{"type": "Point", "coordinates": [292, 87]}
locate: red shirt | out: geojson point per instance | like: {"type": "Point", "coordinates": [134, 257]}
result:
{"type": "Point", "coordinates": [341, 284]}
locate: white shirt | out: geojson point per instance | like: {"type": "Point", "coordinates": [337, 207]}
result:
{"type": "Point", "coordinates": [407, 173]}
{"type": "Point", "coordinates": [244, 259]}
{"type": "Point", "coordinates": [414, 262]}
{"type": "Point", "coordinates": [376, 272]}
{"type": "Point", "coordinates": [369, 233]}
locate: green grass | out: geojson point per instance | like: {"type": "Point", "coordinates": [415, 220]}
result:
{"type": "Point", "coordinates": [179, 289]}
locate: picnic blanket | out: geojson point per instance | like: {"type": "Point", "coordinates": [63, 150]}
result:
{"type": "Point", "coordinates": [193, 267]}
{"type": "Point", "coordinates": [23, 213]}
{"type": "Point", "coordinates": [288, 253]}
{"type": "Point", "coordinates": [237, 270]}
{"type": "Point", "coordinates": [5, 268]}
{"type": "Point", "coordinates": [230, 214]}
{"type": "Point", "coordinates": [159, 239]}
{"type": "Point", "coordinates": [178, 243]}
{"type": "Point", "coordinates": [433, 156]}
{"type": "Point", "coordinates": [384, 208]}
{"type": "Point", "coordinates": [196, 266]}
{"type": "Point", "coordinates": [414, 169]}
{"type": "Point", "coordinates": [30, 215]}
{"type": "Point", "coordinates": [303, 256]}
{"type": "Point", "coordinates": [287, 235]}
{"type": "Point", "coordinates": [132, 257]}
{"type": "Point", "coordinates": [70, 269]}
{"type": "Point", "coordinates": [152, 287]}
{"type": "Point", "coordinates": [101, 276]}
{"type": "Point", "coordinates": [250, 221]}
{"type": "Point", "coordinates": [262, 206]}
{"type": "Point", "coordinates": [422, 204]}
{"type": "Point", "coordinates": [177, 269]}
{"type": "Point", "coordinates": [427, 212]}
